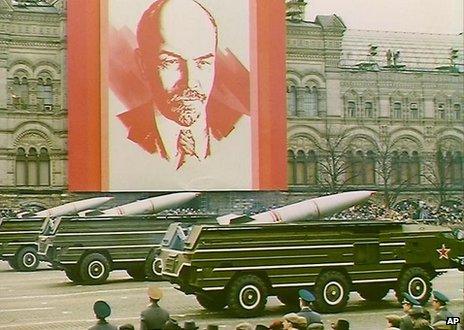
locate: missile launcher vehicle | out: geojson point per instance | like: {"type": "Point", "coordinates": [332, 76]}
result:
{"type": "Point", "coordinates": [89, 248]}
{"type": "Point", "coordinates": [239, 266]}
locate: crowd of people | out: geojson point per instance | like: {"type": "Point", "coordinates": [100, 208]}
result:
{"type": "Point", "coordinates": [415, 317]}
{"type": "Point", "coordinates": [452, 214]}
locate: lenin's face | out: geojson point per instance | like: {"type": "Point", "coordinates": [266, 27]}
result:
{"type": "Point", "coordinates": [181, 74]}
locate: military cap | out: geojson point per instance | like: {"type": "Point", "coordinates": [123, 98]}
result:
{"type": "Point", "coordinates": [101, 309]}
{"type": "Point", "coordinates": [442, 299]}
{"type": "Point", "coordinates": [306, 295]}
{"type": "Point", "coordinates": [408, 299]}
{"type": "Point", "coordinates": [155, 292]}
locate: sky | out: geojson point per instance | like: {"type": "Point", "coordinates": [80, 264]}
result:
{"type": "Point", "coordinates": [425, 16]}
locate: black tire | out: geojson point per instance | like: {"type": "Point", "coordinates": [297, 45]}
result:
{"type": "Point", "coordinates": [331, 291]}
{"type": "Point", "coordinates": [12, 263]}
{"type": "Point", "coordinates": [73, 274]}
{"type": "Point", "coordinates": [94, 268]}
{"type": "Point", "coordinates": [26, 259]}
{"type": "Point", "coordinates": [373, 293]}
{"type": "Point", "coordinates": [247, 296]}
{"type": "Point", "coordinates": [153, 267]}
{"type": "Point", "coordinates": [137, 273]}
{"type": "Point", "coordinates": [289, 299]}
{"type": "Point", "coordinates": [416, 282]}
{"type": "Point", "coordinates": [212, 302]}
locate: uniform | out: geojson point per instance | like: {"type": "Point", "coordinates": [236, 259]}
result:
{"type": "Point", "coordinates": [153, 318]}
{"type": "Point", "coordinates": [103, 325]}
{"type": "Point", "coordinates": [310, 315]}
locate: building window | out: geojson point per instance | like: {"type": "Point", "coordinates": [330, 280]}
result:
{"type": "Point", "coordinates": [351, 109]}
{"type": "Point", "coordinates": [310, 102]}
{"type": "Point", "coordinates": [45, 94]}
{"type": "Point", "coordinates": [370, 168]}
{"type": "Point", "coordinates": [311, 169]}
{"type": "Point", "coordinates": [20, 93]}
{"type": "Point", "coordinates": [441, 111]}
{"type": "Point", "coordinates": [397, 110]}
{"type": "Point", "coordinates": [290, 167]}
{"type": "Point", "coordinates": [300, 168]}
{"type": "Point", "coordinates": [32, 168]}
{"type": "Point", "coordinates": [457, 111]}
{"type": "Point", "coordinates": [368, 109]}
{"type": "Point", "coordinates": [291, 100]}
{"type": "Point", "coordinates": [414, 109]}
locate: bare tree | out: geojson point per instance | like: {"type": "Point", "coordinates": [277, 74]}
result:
{"type": "Point", "coordinates": [388, 171]}
{"type": "Point", "coordinates": [436, 173]}
{"type": "Point", "coordinates": [333, 168]}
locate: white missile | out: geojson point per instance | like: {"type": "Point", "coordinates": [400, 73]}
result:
{"type": "Point", "coordinates": [151, 205]}
{"type": "Point", "coordinates": [71, 208]}
{"type": "Point", "coordinates": [315, 208]}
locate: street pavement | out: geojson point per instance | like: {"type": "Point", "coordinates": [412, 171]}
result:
{"type": "Point", "coordinates": [46, 299]}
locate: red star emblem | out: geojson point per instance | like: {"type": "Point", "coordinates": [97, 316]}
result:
{"type": "Point", "coordinates": [443, 252]}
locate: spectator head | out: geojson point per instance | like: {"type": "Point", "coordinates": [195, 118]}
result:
{"type": "Point", "coordinates": [408, 302]}
{"type": "Point", "coordinates": [190, 325]}
{"type": "Point", "coordinates": [393, 320]}
{"type": "Point", "coordinates": [294, 320]}
{"type": "Point", "coordinates": [154, 293]}
{"type": "Point", "coordinates": [244, 326]}
{"type": "Point", "coordinates": [341, 324]}
{"type": "Point", "coordinates": [101, 309]}
{"type": "Point", "coordinates": [276, 325]}
{"type": "Point", "coordinates": [306, 297]}
{"type": "Point", "coordinates": [127, 326]}
{"type": "Point", "coordinates": [171, 325]}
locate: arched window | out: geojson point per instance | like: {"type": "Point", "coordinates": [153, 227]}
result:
{"type": "Point", "coordinates": [414, 110]}
{"type": "Point", "coordinates": [457, 111]}
{"type": "Point", "coordinates": [441, 111]}
{"type": "Point", "coordinates": [351, 108]}
{"type": "Point", "coordinates": [310, 101]}
{"type": "Point", "coordinates": [415, 168]}
{"type": "Point", "coordinates": [44, 168]}
{"type": "Point", "coordinates": [290, 167]}
{"type": "Point", "coordinates": [32, 168]}
{"type": "Point", "coordinates": [370, 168]}
{"type": "Point", "coordinates": [20, 92]}
{"type": "Point", "coordinates": [397, 110]}
{"type": "Point", "coordinates": [45, 93]}
{"type": "Point", "coordinates": [312, 168]}
{"type": "Point", "coordinates": [368, 110]}
{"type": "Point", "coordinates": [291, 100]}
{"type": "Point", "coordinates": [21, 167]}
{"type": "Point", "coordinates": [404, 167]}
{"type": "Point", "coordinates": [300, 167]}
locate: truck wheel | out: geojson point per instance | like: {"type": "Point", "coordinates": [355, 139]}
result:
{"type": "Point", "coordinates": [12, 263]}
{"type": "Point", "coordinates": [137, 274]}
{"type": "Point", "coordinates": [331, 291]}
{"type": "Point", "coordinates": [416, 282]}
{"type": "Point", "coordinates": [247, 296]}
{"type": "Point", "coordinates": [73, 274]}
{"type": "Point", "coordinates": [372, 293]}
{"type": "Point", "coordinates": [153, 267]}
{"type": "Point", "coordinates": [211, 302]}
{"type": "Point", "coordinates": [94, 268]}
{"type": "Point", "coordinates": [26, 259]}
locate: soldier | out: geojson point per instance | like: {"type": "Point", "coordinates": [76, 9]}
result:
{"type": "Point", "coordinates": [408, 302]}
{"type": "Point", "coordinates": [102, 310]}
{"type": "Point", "coordinates": [154, 317]}
{"type": "Point", "coordinates": [439, 305]}
{"type": "Point", "coordinates": [306, 298]}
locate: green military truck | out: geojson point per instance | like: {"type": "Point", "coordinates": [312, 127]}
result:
{"type": "Point", "coordinates": [240, 266]}
{"type": "Point", "coordinates": [18, 242]}
{"type": "Point", "coordinates": [89, 248]}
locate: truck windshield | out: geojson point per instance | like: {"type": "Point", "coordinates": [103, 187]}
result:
{"type": "Point", "coordinates": [174, 237]}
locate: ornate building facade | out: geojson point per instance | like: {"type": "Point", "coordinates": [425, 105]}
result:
{"type": "Point", "coordinates": [373, 109]}
{"type": "Point", "coordinates": [366, 109]}
{"type": "Point", "coordinates": [33, 115]}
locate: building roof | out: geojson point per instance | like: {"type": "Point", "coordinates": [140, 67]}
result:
{"type": "Point", "coordinates": [418, 51]}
